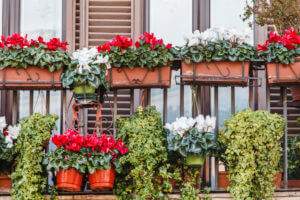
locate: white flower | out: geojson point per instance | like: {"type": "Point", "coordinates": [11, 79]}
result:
{"type": "Point", "coordinates": [9, 142]}
{"type": "Point", "coordinates": [205, 125]}
{"type": "Point", "coordinates": [2, 123]}
{"type": "Point", "coordinates": [85, 57]}
{"type": "Point", "coordinates": [181, 125]}
{"type": "Point", "coordinates": [14, 131]}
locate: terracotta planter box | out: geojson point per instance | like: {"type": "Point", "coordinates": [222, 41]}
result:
{"type": "Point", "coordinates": [69, 180]}
{"type": "Point", "coordinates": [5, 183]}
{"type": "Point", "coordinates": [138, 77]}
{"type": "Point", "coordinates": [216, 73]}
{"type": "Point", "coordinates": [294, 183]}
{"type": "Point", "coordinates": [102, 179]}
{"type": "Point", "coordinates": [29, 78]}
{"type": "Point", "coordinates": [223, 180]}
{"type": "Point", "coordinates": [279, 74]}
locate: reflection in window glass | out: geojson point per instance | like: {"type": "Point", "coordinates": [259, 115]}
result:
{"type": "Point", "coordinates": [227, 14]}
{"type": "Point", "coordinates": [171, 20]}
{"type": "Point", "coordinates": [40, 18]}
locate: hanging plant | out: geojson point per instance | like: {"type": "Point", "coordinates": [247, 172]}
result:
{"type": "Point", "coordinates": [251, 140]}
{"type": "Point", "coordinates": [29, 179]}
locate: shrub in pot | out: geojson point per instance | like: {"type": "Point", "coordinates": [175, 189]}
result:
{"type": "Point", "coordinates": [68, 160]}
{"type": "Point", "coordinates": [103, 160]}
{"type": "Point", "coordinates": [216, 56]}
{"type": "Point", "coordinates": [192, 138]}
{"type": "Point", "coordinates": [8, 136]}
{"type": "Point", "coordinates": [294, 162]}
{"type": "Point", "coordinates": [86, 72]}
{"type": "Point", "coordinates": [252, 153]}
{"type": "Point", "coordinates": [31, 64]}
{"type": "Point", "coordinates": [144, 64]}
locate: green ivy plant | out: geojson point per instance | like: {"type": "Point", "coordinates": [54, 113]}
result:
{"type": "Point", "coordinates": [29, 178]}
{"type": "Point", "coordinates": [146, 174]}
{"type": "Point", "coordinates": [252, 153]}
{"type": "Point", "coordinates": [294, 158]}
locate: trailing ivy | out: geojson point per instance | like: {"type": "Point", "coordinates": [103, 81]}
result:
{"type": "Point", "coordinates": [29, 178]}
{"type": "Point", "coordinates": [252, 153]}
{"type": "Point", "coordinates": [146, 171]}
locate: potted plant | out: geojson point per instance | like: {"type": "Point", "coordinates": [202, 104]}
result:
{"type": "Point", "coordinates": [145, 64]}
{"type": "Point", "coordinates": [31, 64]}
{"type": "Point", "coordinates": [216, 56]}
{"type": "Point", "coordinates": [251, 140]}
{"type": "Point", "coordinates": [68, 160]}
{"type": "Point", "coordinates": [86, 72]}
{"type": "Point", "coordinates": [192, 138]}
{"type": "Point", "coordinates": [103, 160]}
{"type": "Point", "coordinates": [280, 52]}
{"type": "Point", "coordinates": [8, 136]}
{"type": "Point", "coordinates": [294, 162]}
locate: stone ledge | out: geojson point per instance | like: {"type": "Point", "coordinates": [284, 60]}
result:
{"type": "Point", "coordinates": [288, 195]}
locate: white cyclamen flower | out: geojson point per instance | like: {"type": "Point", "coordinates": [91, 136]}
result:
{"type": "Point", "coordinates": [206, 124]}
{"type": "Point", "coordinates": [2, 123]}
{"type": "Point", "coordinates": [9, 141]}
{"type": "Point", "coordinates": [85, 57]}
{"type": "Point", "coordinates": [13, 131]}
{"type": "Point", "coordinates": [181, 125]}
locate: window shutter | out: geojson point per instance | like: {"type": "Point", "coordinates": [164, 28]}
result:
{"type": "Point", "coordinates": [105, 19]}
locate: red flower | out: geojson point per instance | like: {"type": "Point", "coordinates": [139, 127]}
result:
{"type": "Point", "coordinates": [91, 141]}
{"type": "Point", "coordinates": [137, 44]}
{"type": "Point", "coordinates": [5, 133]}
{"type": "Point", "coordinates": [169, 46]}
{"type": "Point", "coordinates": [106, 143]}
{"type": "Point", "coordinates": [15, 40]}
{"type": "Point", "coordinates": [263, 47]}
{"type": "Point", "coordinates": [41, 40]}
{"type": "Point", "coordinates": [59, 140]}
{"type": "Point", "coordinates": [104, 47]}
{"type": "Point", "coordinates": [120, 146]}
{"type": "Point", "coordinates": [274, 37]}
{"type": "Point", "coordinates": [73, 147]}
{"type": "Point", "coordinates": [55, 44]}
{"type": "Point", "coordinates": [121, 42]}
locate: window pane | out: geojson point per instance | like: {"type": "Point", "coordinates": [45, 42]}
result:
{"type": "Point", "coordinates": [171, 20]}
{"type": "Point", "coordinates": [227, 14]}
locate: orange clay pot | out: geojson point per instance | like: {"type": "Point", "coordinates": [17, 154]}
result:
{"type": "Point", "coordinates": [139, 77]}
{"type": "Point", "coordinates": [216, 73]}
{"type": "Point", "coordinates": [30, 78]}
{"type": "Point", "coordinates": [278, 180]}
{"type": "Point", "coordinates": [223, 180]}
{"type": "Point", "coordinates": [5, 183]}
{"type": "Point", "coordinates": [102, 179]}
{"type": "Point", "coordinates": [280, 74]}
{"type": "Point", "coordinates": [69, 180]}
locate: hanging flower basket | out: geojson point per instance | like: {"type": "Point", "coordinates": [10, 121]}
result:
{"type": "Point", "coordinates": [216, 73]}
{"type": "Point", "coordinates": [29, 78]}
{"type": "Point", "coordinates": [195, 160]}
{"type": "Point", "coordinates": [69, 180]}
{"type": "Point", "coordinates": [139, 77]}
{"type": "Point", "coordinates": [102, 179]}
{"type": "Point", "coordinates": [5, 183]}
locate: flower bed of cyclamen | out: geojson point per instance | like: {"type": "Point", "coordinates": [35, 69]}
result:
{"type": "Point", "coordinates": [21, 52]}
{"type": "Point", "coordinates": [149, 51]}
{"type": "Point", "coordinates": [280, 48]}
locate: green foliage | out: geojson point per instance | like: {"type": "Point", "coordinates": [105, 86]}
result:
{"type": "Point", "coordinates": [146, 171]}
{"type": "Point", "coordinates": [281, 13]}
{"type": "Point", "coordinates": [253, 151]}
{"type": "Point", "coordinates": [189, 183]}
{"type": "Point", "coordinates": [6, 156]}
{"type": "Point", "coordinates": [216, 51]}
{"type": "Point", "coordinates": [33, 56]}
{"type": "Point", "coordinates": [294, 158]}
{"type": "Point", "coordinates": [29, 180]}
{"type": "Point", "coordinates": [98, 160]}
{"type": "Point", "coordinates": [188, 192]}
{"type": "Point", "coordinates": [62, 159]}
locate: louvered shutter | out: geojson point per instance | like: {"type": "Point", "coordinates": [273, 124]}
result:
{"type": "Point", "coordinates": [107, 18]}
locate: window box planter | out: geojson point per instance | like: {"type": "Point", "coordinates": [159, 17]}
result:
{"type": "Point", "coordinates": [69, 180]}
{"type": "Point", "coordinates": [216, 73]}
{"type": "Point", "coordinates": [5, 183]}
{"type": "Point", "coordinates": [102, 179]}
{"type": "Point", "coordinates": [30, 78]}
{"type": "Point", "coordinates": [139, 77]}
{"type": "Point", "coordinates": [294, 183]}
{"type": "Point", "coordinates": [280, 74]}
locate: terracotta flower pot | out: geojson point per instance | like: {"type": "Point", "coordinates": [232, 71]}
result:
{"type": "Point", "coordinates": [216, 73]}
{"type": "Point", "coordinates": [223, 180]}
{"type": "Point", "coordinates": [30, 78]}
{"type": "Point", "coordinates": [279, 74]}
{"type": "Point", "coordinates": [139, 77]}
{"type": "Point", "coordinates": [102, 179]}
{"type": "Point", "coordinates": [294, 183]}
{"type": "Point", "coordinates": [278, 180]}
{"type": "Point", "coordinates": [194, 160]}
{"type": "Point", "coordinates": [5, 183]}
{"type": "Point", "coordinates": [69, 180]}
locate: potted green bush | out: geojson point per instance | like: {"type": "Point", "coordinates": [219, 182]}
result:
{"type": "Point", "coordinates": [252, 153]}
{"type": "Point", "coordinates": [192, 138]}
{"type": "Point", "coordinates": [8, 136]}
{"type": "Point", "coordinates": [86, 72]}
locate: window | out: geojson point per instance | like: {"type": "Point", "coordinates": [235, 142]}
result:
{"type": "Point", "coordinates": [171, 20]}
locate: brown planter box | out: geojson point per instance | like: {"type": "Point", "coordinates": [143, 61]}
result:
{"type": "Point", "coordinates": [5, 183]}
{"type": "Point", "coordinates": [30, 78]}
{"type": "Point", "coordinates": [294, 183]}
{"type": "Point", "coordinates": [216, 73]}
{"type": "Point", "coordinates": [279, 74]}
{"type": "Point", "coordinates": [138, 77]}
